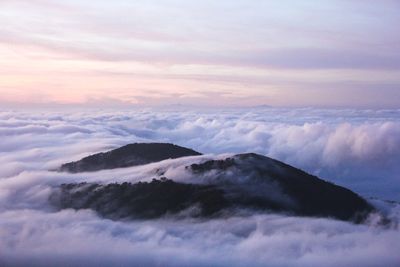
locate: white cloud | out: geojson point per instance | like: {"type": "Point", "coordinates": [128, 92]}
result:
{"type": "Point", "coordinates": [66, 237]}
{"type": "Point", "coordinates": [356, 148]}
{"type": "Point", "coordinates": [359, 149]}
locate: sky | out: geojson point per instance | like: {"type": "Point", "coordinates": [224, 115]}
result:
{"type": "Point", "coordinates": [321, 53]}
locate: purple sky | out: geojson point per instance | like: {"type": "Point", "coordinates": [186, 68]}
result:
{"type": "Point", "coordinates": [226, 53]}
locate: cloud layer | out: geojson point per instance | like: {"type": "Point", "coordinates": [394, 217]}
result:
{"type": "Point", "coordinates": [359, 149]}
{"type": "Point", "coordinates": [68, 237]}
{"type": "Point", "coordinates": [356, 148]}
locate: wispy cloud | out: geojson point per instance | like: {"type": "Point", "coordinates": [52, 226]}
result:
{"type": "Point", "coordinates": [290, 36]}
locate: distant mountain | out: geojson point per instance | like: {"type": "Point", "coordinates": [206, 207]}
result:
{"type": "Point", "coordinates": [127, 156]}
{"type": "Point", "coordinates": [240, 184]}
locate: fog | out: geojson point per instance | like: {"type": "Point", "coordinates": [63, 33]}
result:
{"type": "Point", "coordinates": [355, 148]}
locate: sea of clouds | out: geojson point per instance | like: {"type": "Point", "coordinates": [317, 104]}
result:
{"type": "Point", "coordinates": [359, 149]}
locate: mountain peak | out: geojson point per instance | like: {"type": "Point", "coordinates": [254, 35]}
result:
{"type": "Point", "coordinates": [128, 156]}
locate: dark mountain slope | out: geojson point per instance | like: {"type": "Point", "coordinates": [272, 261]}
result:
{"type": "Point", "coordinates": [247, 182]}
{"type": "Point", "coordinates": [142, 200]}
{"type": "Point", "coordinates": [265, 182]}
{"type": "Point", "coordinates": [127, 156]}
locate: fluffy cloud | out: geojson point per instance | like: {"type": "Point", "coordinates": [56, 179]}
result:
{"type": "Point", "coordinates": [355, 148]}
{"type": "Point", "coordinates": [359, 149]}
{"type": "Point", "coordinates": [68, 237]}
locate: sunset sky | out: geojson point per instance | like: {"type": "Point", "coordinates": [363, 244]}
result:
{"type": "Point", "coordinates": [325, 53]}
